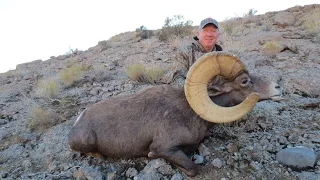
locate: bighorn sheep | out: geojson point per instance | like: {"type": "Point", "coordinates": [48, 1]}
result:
{"type": "Point", "coordinates": [163, 121]}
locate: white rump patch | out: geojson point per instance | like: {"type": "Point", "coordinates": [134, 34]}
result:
{"type": "Point", "coordinates": [79, 117]}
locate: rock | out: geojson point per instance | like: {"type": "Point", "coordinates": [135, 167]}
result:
{"type": "Point", "coordinates": [5, 174]}
{"type": "Point", "coordinates": [255, 165]}
{"type": "Point", "coordinates": [197, 159]}
{"type": "Point", "coordinates": [177, 176]}
{"type": "Point", "coordinates": [150, 174]}
{"type": "Point", "coordinates": [26, 163]}
{"type": "Point", "coordinates": [111, 175]}
{"type": "Point", "coordinates": [232, 148]}
{"type": "Point", "coordinates": [154, 164]}
{"type": "Point", "coordinates": [88, 173]}
{"type": "Point", "coordinates": [309, 176]}
{"type": "Point", "coordinates": [284, 19]}
{"type": "Point", "coordinates": [217, 163]}
{"type": "Point", "coordinates": [203, 150]}
{"type": "Point", "coordinates": [297, 157]}
{"type": "Point", "coordinates": [131, 172]}
{"type": "Point", "coordinates": [166, 169]}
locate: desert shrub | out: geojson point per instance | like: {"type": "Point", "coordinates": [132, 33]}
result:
{"type": "Point", "coordinates": [72, 74]}
{"type": "Point", "coordinates": [100, 72]}
{"type": "Point", "coordinates": [175, 26]}
{"type": "Point", "coordinates": [70, 51]}
{"type": "Point", "coordinates": [104, 45]}
{"type": "Point", "coordinates": [271, 47]}
{"type": "Point", "coordinates": [48, 88]}
{"type": "Point", "coordinates": [140, 73]}
{"type": "Point", "coordinates": [40, 118]}
{"type": "Point", "coordinates": [143, 32]}
{"type": "Point", "coordinates": [231, 26]}
{"type": "Point", "coordinates": [312, 23]}
{"type": "Point", "coordinates": [251, 12]}
{"type": "Point", "coordinates": [174, 42]}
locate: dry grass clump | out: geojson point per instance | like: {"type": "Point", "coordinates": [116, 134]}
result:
{"type": "Point", "coordinates": [271, 47]}
{"type": "Point", "coordinates": [48, 88]}
{"type": "Point", "coordinates": [72, 74]}
{"type": "Point", "coordinates": [10, 140]}
{"type": "Point", "coordinates": [140, 73]}
{"type": "Point", "coordinates": [312, 23]}
{"type": "Point", "coordinates": [40, 118]}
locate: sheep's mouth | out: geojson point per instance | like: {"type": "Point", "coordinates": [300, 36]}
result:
{"type": "Point", "coordinates": [277, 97]}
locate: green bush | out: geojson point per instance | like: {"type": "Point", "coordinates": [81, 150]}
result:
{"type": "Point", "coordinates": [48, 88]}
{"type": "Point", "coordinates": [140, 73]}
{"type": "Point", "coordinates": [175, 26]}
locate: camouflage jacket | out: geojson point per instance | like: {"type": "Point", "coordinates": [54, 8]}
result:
{"type": "Point", "coordinates": [186, 56]}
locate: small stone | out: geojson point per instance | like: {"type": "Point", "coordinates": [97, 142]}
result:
{"type": "Point", "coordinates": [255, 165]}
{"type": "Point", "coordinates": [217, 163]}
{"type": "Point", "coordinates": [131, 172]}
{"type": "Point", "coordinates": [232, 148]}
{"type": "Point", "coordinates": [154, 164]}
{"type": "Point", "coordinates": [203, 150]}
{"type": "Point", "coordinates": [27, 163]}
{"type": "Point", "coordinates": [111, 176]}
{"type": "Point", "coordinates": [165, 169]}
{"type": "Point", "coordinates": [197, 159]}
{"type": "Point", "coordinates": [177, 176]}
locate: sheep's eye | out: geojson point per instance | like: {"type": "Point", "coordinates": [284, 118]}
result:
{"type": "Point", "coordinates": [245, 81]}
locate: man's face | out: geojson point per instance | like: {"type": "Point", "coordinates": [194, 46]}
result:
{"type": "Point", "coordinates": [208, 36]}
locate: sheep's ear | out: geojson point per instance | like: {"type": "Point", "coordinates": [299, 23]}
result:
{"type": "Point", "coordinates": [215, 90]}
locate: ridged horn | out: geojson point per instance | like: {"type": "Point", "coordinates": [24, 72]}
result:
{"type": "Point", "coordinates": [195, 87]}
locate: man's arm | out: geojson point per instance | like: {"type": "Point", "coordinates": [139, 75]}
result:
{"type": "Point", "coordinates": [182, 65]}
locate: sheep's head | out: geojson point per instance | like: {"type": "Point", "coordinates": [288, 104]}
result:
{"type": "Point", "coordinates": [235, 83]}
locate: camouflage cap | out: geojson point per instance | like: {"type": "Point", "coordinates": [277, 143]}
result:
{"type": "Point", "coordinates": [208, 21]}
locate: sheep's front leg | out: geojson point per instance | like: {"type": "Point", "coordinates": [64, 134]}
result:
{"type": "Point", "coordinates": [178, 158]}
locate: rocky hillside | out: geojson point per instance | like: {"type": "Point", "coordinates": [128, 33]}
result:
{"type": "Point", "coordinates": [40, 101]}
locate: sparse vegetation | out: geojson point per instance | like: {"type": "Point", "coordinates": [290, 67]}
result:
{"type": "Point", "coordinates": [40, 118]}
{"type": "Point", "coordinates": [251, 12]}
{"type": "Point", "coordinates": [312, 23]}
{"type": "Point", "coordinates": [10, 140]}
{"type": "Point", "coordinates": [140, 73]}
{"type": "Point", "coordinates": [70, 51]}
{"type": "Point", "coordinates": [72, 74]}
{"type": "Point", "coordinates": [271, 47]}
{"type": "Point", "coordinates": [104, 45]}
{"type": "Point", "coordinates": [175, 26]}
{"type": "Point", "coordinates": [48, 88]}
{"type": "Point", "coordinates": [231, 26]}
{"type": "Point", "coordinates": [143, 32]}
{"type": "Point", "coordinates": [174, 42]}
{"type": "Point", "coordinates": [100, 73]}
